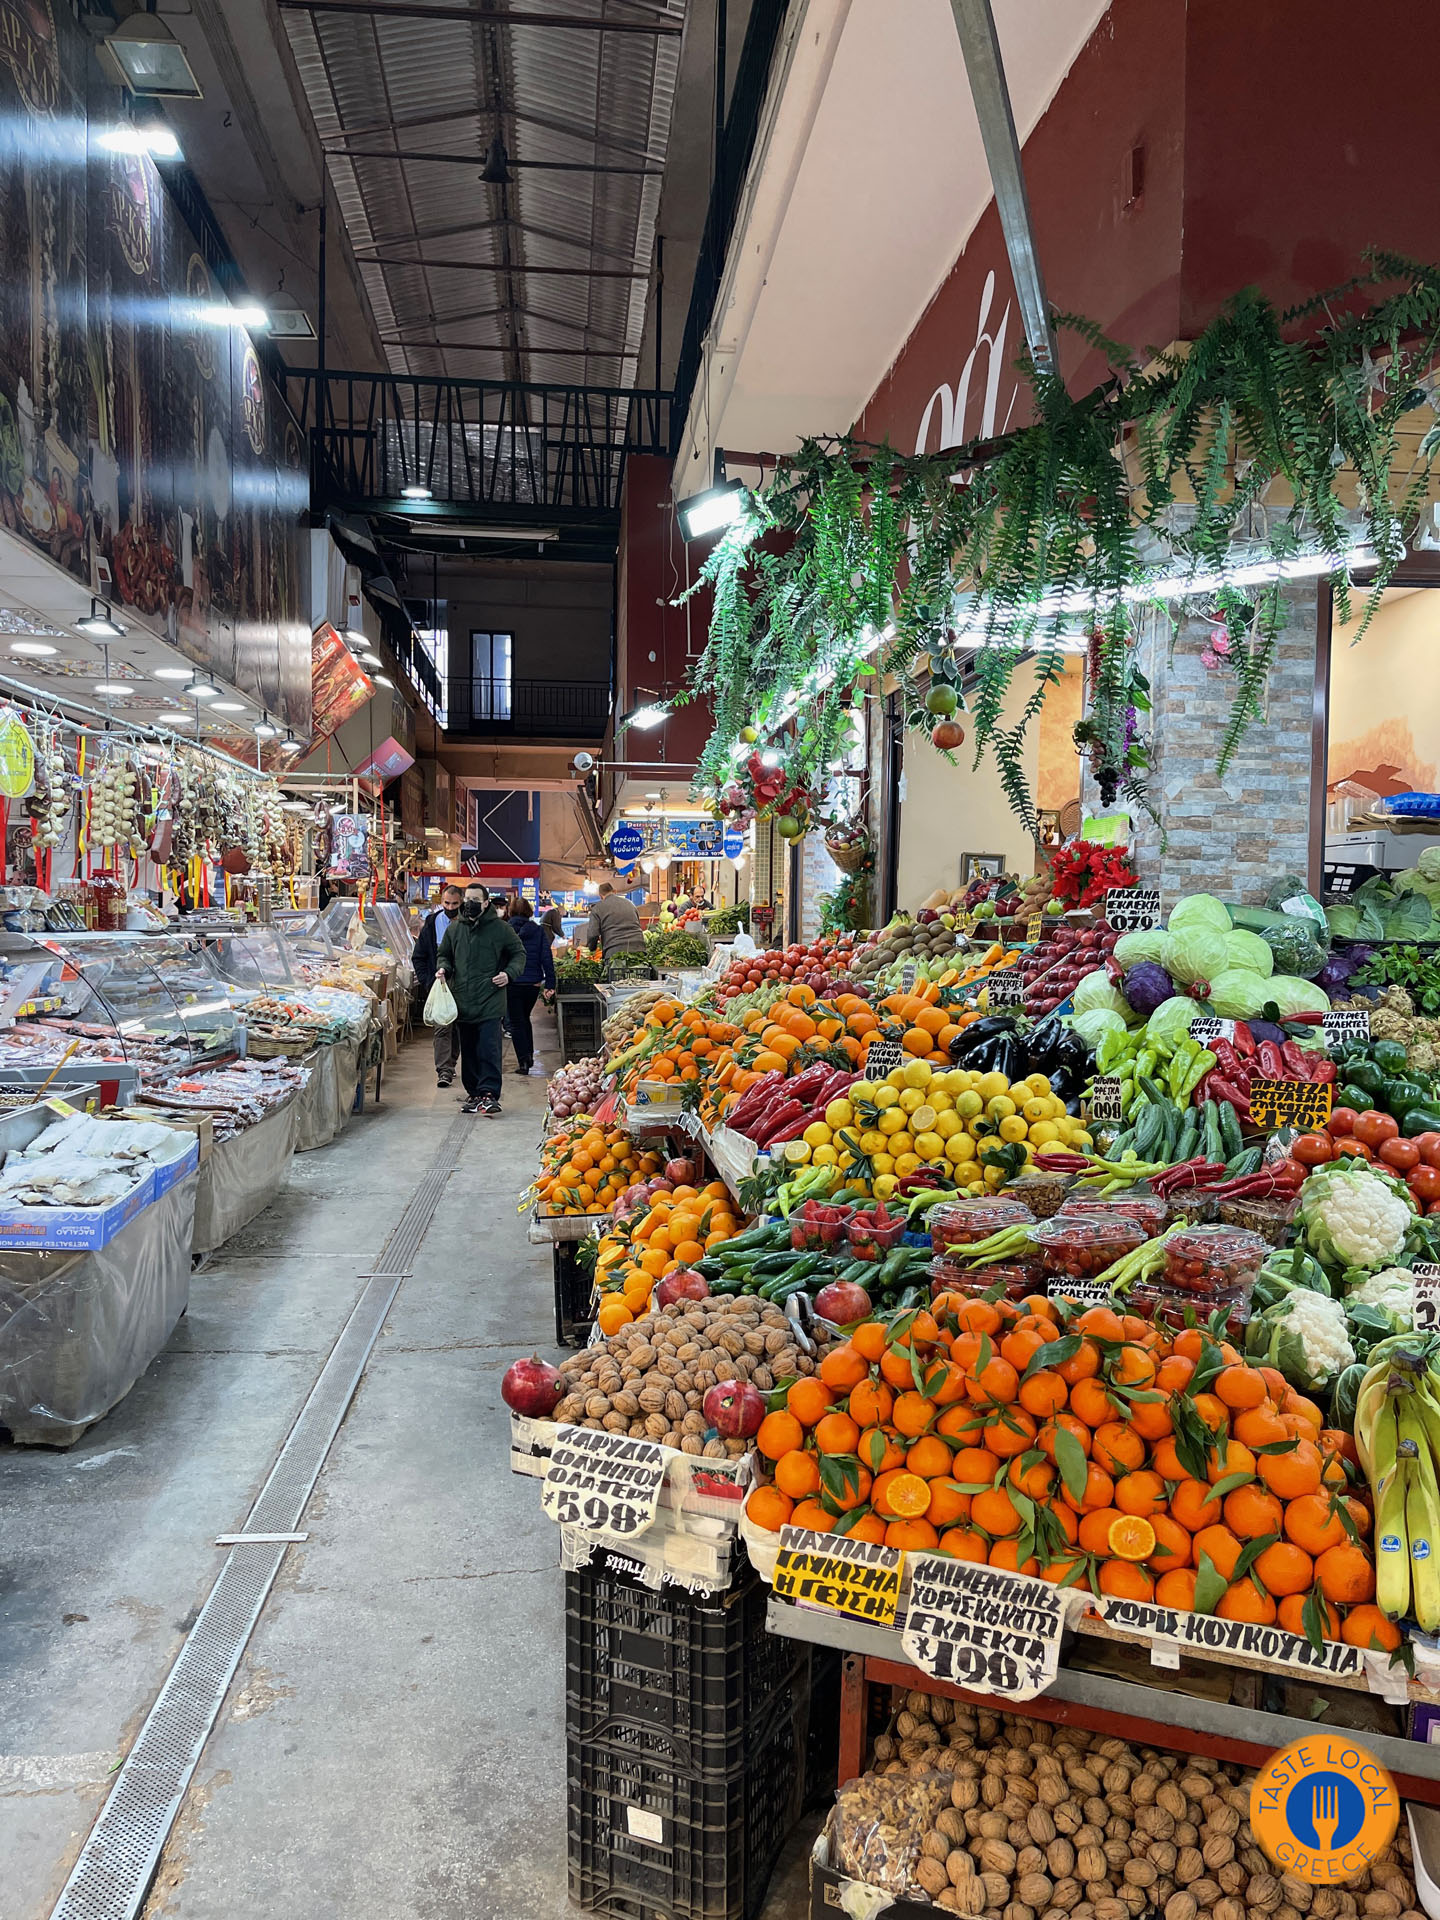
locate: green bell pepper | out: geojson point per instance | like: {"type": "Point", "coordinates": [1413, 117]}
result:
{"type": "Point", "coordinates": [1390, 1056]}
{"type": "Point", "coordinates": [1369, 1077]}
{"type": "Point", "coordinates": [1420, 1120]}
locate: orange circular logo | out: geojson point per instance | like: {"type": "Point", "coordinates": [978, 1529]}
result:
{"type": "Point", "coordinates": [1324, 1808]}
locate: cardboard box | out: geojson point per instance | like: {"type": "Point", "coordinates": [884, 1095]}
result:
{"type": "Point", "coordinates": [201, 1125]}
{"type": "Point", "coordinates": [72, 1229]}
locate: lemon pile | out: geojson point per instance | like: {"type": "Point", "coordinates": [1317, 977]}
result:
{"type": "Point", "coordinates": [920, 1116]}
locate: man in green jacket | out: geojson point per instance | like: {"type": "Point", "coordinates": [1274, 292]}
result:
{"type": "Point", "coordinates": [480, 956]}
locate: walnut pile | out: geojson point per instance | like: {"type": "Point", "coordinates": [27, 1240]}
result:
{"type": "Point", "coordinates": [1053, 1823]}
{"type": "Point", "coordinates": [650, 1378]}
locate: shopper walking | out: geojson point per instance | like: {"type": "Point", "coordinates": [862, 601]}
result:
{"type": "Point", "coordinates": [521, 994]}
{"type": "Point", "coordinates": [552, 925]}
{"type": "Point", "coordinates": [425, 960]}
{"type": "Point", "coordinates": [614, 926]}
{"type": "Point", "coordinates": [480, 957]}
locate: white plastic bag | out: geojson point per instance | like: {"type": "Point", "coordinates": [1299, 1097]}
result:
{"type": "Point", "coordinates": [440, 1007]}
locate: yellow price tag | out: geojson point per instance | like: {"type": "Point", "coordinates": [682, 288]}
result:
{"type": "Point", "coordinates": [856, 1578]}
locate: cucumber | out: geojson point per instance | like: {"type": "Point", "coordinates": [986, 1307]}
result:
{"type": "Point", "coordinates": [1189, 1143]}
{"type": "Point", "coordinates": [1246, 1161]}
{"type": "Point", "coordinates": [1149, 1132]}
{"type": "Point", "coordinates": [1214, 1145]}
{"type": "Point", "coordinates": [770, 1264]}
{"type": "Point", "coordinates": [1230, 1128]}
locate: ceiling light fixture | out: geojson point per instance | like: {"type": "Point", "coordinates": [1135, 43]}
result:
{"type": "Point", "coordinates": [228, 706]}
{"type": "Point", "coordinates": [174, 673]}
{"type": "Point", "coordinates": [146, 57]}
{"type": "Point", "coordinates": [38, 649]}
{"type": "Point", "coordinates": [496, 170]}
{"type": "Point", "coordinates": [119, 687]}
{"type": "Point", "coordinates": [370, 658]}
{"type": "Point", "coordinates": [290, 744]}
{"type": "Point", "coordinates": [158, 141]}
{"type": "Point", "coordinates": [223, 316]}
{"type": "Point", "coordinates": [265, 728]}
{"type": "Point", "coordinates": [202, 688]}
{"type": "Point", "coordinates": [649, 714]}
{"type": "Point", "coordinates": [100, 623]}
{"type": "Point", "coordinates": [383, 680]}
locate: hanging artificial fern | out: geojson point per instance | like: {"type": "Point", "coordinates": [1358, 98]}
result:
{"type": "Point", "coordinates": [1255, 434]}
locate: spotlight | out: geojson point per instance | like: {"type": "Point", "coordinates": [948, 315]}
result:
{"type": "Point", "coordinates": [100, 623]}
{"type": "Point", "coordinates": [203, 688]}
{"type": "Point", "coordinates": [265, 728]}
{"type": "Point", "coordinates": [718, 506]}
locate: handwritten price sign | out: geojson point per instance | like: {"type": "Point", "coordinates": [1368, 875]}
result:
{"type": "Point", "coordinates": [1289, 1103]}
{"type": "Point", "coordinates": [603, 1482]}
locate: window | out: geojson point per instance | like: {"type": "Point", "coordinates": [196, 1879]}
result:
{"type": "Point", "coordinates": [490, 676]}
{"type": "Point", "coordinates": [435, 644]}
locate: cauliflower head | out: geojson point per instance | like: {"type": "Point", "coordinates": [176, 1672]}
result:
{"type": "Point", "coordinates": [1351, 1217]}
{"type": "Point", "coordinates": [1392, 1289]}
{"type": "Point", "coordinates": [1305, 1337]}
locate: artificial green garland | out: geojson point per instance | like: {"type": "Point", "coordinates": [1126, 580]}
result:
{"type": "Point", "coordinates": [859, 560]}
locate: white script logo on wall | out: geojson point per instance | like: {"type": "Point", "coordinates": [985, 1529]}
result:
{"type": "Point", "coordinates": [953, 408]}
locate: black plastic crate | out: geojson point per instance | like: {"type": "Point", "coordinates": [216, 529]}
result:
{"type": "Point", "coordinates": [651, 1842]}
{"type": "Point", "coordinates": [574, 1296]}
{"type": "Point", "coordinates": [577, 1022]}
{"type": "Point", "coordinates": [680, 1678]}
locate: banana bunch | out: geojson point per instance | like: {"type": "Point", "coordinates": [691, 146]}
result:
{"type": "Point", "coordinates": [1397, 1435]}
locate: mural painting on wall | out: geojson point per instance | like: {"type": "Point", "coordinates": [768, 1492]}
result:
{"type": "Point", "coordinates": [141, 449]}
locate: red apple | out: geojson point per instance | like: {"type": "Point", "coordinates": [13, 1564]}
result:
{"type": "Point", "coordinates": [735, 1409]}
{"type": "Point", "coordinates": [683, 1284]}
{"type": "Point", "coordinates": [532, 1387]}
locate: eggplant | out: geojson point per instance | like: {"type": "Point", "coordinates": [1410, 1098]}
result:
{"type": "Point", "coordinates": [978, 1033]}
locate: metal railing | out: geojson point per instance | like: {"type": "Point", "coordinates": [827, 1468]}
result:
{"type": "Point", "coordinates": [508, 447]}
{"type": "Point", "coordinates": [528, 709]}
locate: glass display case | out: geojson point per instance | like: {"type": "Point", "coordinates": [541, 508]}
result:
{"type": "Point", "coordinates": [159, 1000]}
{"type": "Point", "coordinates": [305, 933]}
{"type": "Point", "coordinates": [386, 929]}
{"type": "Point", "coordinates": [257, 960]}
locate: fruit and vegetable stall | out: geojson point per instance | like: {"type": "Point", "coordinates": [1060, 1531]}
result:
{"type": "Point", "coordinates": [1043, 1316]}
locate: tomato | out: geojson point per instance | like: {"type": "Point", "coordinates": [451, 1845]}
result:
{"type": "Point", "coordinates": [1429, 1145]}
{"type": "Point", "coordinates": [1403, 1155]}
{"type": "Point", "coordinates": [1357, 1149]}
{"type": "Point", "coordinates": [1313, 1150]}
{"type": "Point", "coordinates": [1434, 1207]}
{"type": "Point", "coordinates": [1342, 1120]}
{"type": "Point", "coordinates": [1372, 1129]}
{"type": "Point", "coordinates": [1425, 1184]}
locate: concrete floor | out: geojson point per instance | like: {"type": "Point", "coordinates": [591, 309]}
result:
{"type": "Point", "coordinates": [393, 1745]}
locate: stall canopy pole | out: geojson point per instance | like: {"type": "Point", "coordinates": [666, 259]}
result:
{"type": "Point", "coordinates": [980, 44]}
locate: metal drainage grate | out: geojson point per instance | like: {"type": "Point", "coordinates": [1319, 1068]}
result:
{"type": "Point", "coordinates": [118, 1861]}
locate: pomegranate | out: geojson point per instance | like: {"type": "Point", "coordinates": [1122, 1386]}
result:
{"type": "Point", "coordinates": [683, 1284]}
{"type": "Point", "coordinates": [948, 734]}
{"type": "Point", "coordinates": [735, 1409]}
{"type": "Point", "coordinates": [680, 1173]}
{"type": "Point", "coordinates": [842, 1303]}
{"type": "Point", "coordinates": [532, 1387]}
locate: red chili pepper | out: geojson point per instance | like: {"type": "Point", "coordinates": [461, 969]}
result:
{"type": "Point", "coordinates": [1324, 1074]}
{"type": "Point", "coordinates": [1244, 1039]}
{"type": "Point", "coordinates": [1296, 1059]}
{"type": "Point", "coordinates": [1226, 1058]}
{"type": "Point", "coordinates": [1221, 1089]}
{"type": "Point", "coordinates": [1272, 1061]}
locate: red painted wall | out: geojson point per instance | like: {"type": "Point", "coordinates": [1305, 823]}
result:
{"type": "Point", "coordinates": [1274, 152]}
{"type": "Point", "coordinates": [655, 566]}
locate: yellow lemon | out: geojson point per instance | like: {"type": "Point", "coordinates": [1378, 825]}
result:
{"type": "Point", "coordinates": [817, 1134]}
{"type": "Point", "coordinates": [999, 1107]}
{"type": "Point", "coordinates": [1045, 1133]}
{"type": "Point", "coordinates": [883, 1162]}
{"type": "Point", "coordinates": [824, 1156]}
{"type": "Point", "coordinates": [906, 1163]}
{"type": "Point", "coordinates": [929, 1146]}
{"type": "Point", "coordinates": [1012, 1127]}
{"type": "Point", "coordinates": [895, 1078]}
{"type": "Point", "coordinates": [861, 1090]}
{"type": "Point", "coordinates": [959, 1148]}
{"type": "Point", "coordinates": [922, 1119]}
{"type": "Point", "coordinates": [892, 1120]}
{"type": "Point", "coordinates": [995, 1177]}
{"type": "Point", "coordinates": [948, 1125]}
{"type": "Point", "coordinates": [872, 1141]}
{"type": "Point", "coordinates": [918, 1073]}
{"type": "Point", "coordinates": [1036, 1109]}
{"type": "Point", "coordinates": [839, 1113]}
{"type": "Point", "coordinates": [885, 1097]}
{"type": "Point", "coordinates": [1037, 1083]}
{"type": "Point", "coordinates": [796, 1152]}
{"type": "Point", "coordinates": [992, 1085]}
{"type": "Point", "coordinates": [1081, 1141]}
{"type": "Point", "coordinates": [911, 1098]}
{"type": "Point", "coordinates": [968, 1104]}
{"type": "Point", "coordinates": [941, 1102]}
{"type": "Point", "coordinates": [902, 1142]}
{"type": "Point", "coordinates": [885, 1185]}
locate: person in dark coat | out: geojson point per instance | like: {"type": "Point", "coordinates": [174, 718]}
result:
{"type": "Point", "coordinates": [480, 956]}
{"type": "Point", "coordinates": [424, 960]}
{"type": "Point", "coordinates": [552, 925]}
{"type": "Point", "coordinates": [521, 995]}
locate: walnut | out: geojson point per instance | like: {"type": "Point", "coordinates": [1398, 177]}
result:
{"type": "Point", "coordinates": [1163, 1854]}
{"type": "Point", "coordinates": [1181, 1906]}
{"type": "Point", "coordinates": [1265, 1892]}
{"type": "Point", "coordinates": [1091, 1864]}
{"type": "Point", "coordinates": [995, 1888]}
{"type": "Point", "coordinates": [1083, 1782]}
{"type": "Point", "coordinates": [1232, 1877]}
{"type": "Point", "coordinates": [965, 1793]}
{"type": "Point", "coordinates": [1381, 1906]}
{"type": "Point", "coordinates": [935, 1846]}
{"type": "Point", "coordinates": [1060, 1858]}
{"type": "Point", "coordinates": [997, 1857]}
{"type": "Point", "coordinates": [1223, 1819]}
{"type": "Point", "coordinates": [1040, 1826]}
{"type": "Point", "coordinates": [1206, 1892]}
{"type": "Point", "coordinates": [1228, 1909]}
{"type": "Point", "coordinates": [1219, 1848]}
{"type": "Point", "coordinates": [931, 1875]}
{"type": "Point", "coordinates": [1173, 1801]}
{"type": "Point", "coordinates": [993, 1826]}
{"type": "Point", "coordinates": [1140, 1873]}
{"type": "Point", "coordinates": [1157, 1821]}
{"type": "Point", "coordinates": [1034, 1890]}
{"type": "Point", "coordinates": [1068, 1893]}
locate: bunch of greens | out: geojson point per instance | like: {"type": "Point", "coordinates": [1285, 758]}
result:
{"type": "Point", "coordinates": [1383, 910]}
{"type": "Point", "coordinates": [1409, 967]}
{"type": "Point", "coordinates": [726, 920]}
{"type": "Point", "coordinates": [575, 971]}
{"type": "Point", "coordinates": [673, 948]}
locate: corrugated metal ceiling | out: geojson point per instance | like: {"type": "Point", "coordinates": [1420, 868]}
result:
{"type": "Point", "coordinates": [450, 261]}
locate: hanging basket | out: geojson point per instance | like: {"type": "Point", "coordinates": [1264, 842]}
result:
{"type": "Point", "coordinates": [848, 856]}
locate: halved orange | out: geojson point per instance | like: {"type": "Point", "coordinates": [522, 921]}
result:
{"type": "Point", "coordinates": [1131, 1537]}
{"type": "Point", "coordinates": [908, 1496]}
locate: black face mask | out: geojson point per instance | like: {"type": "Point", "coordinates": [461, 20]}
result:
{"type": "Point", "coordinates": [472, 909]}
